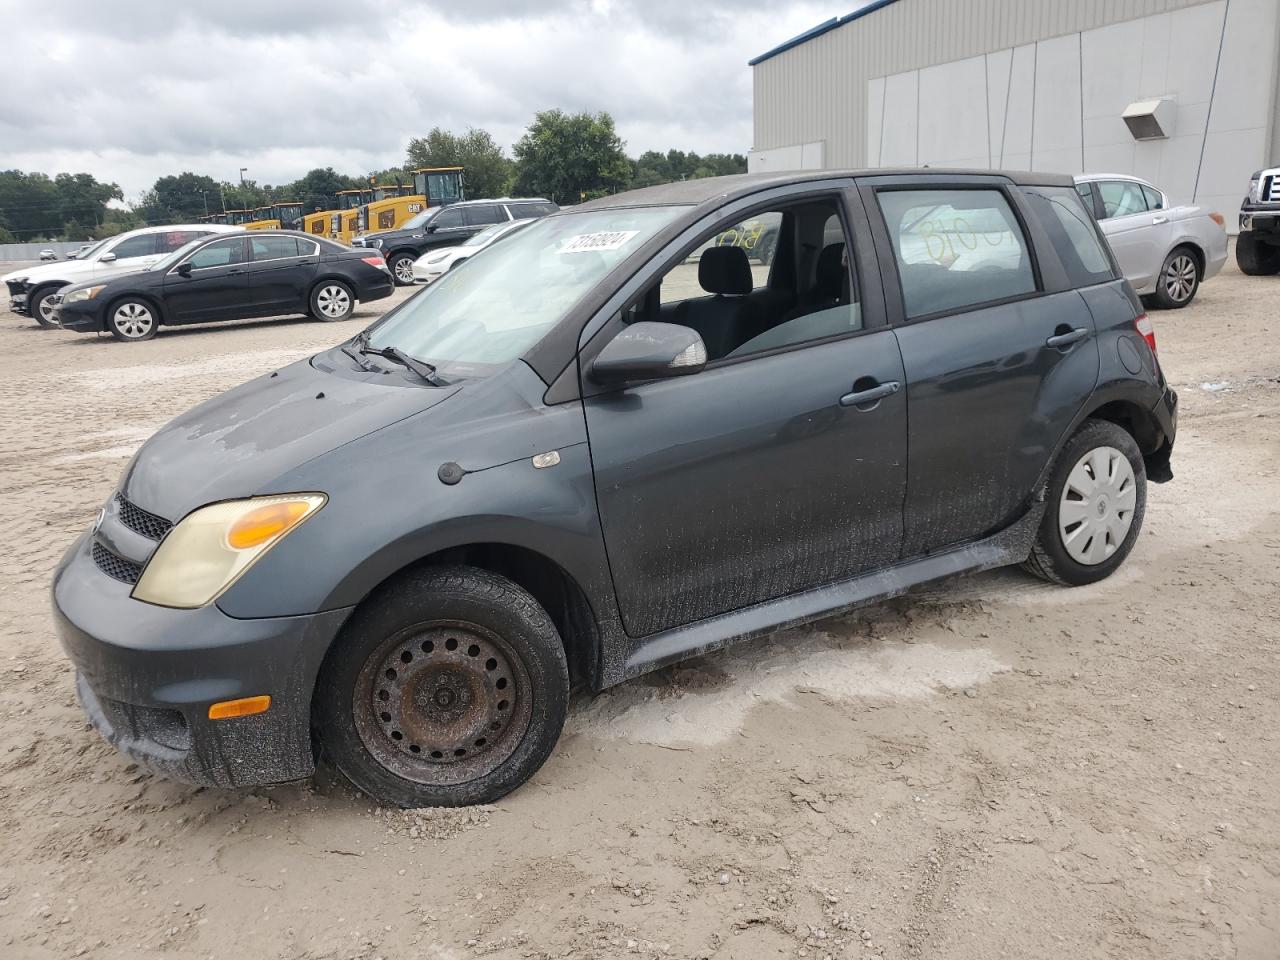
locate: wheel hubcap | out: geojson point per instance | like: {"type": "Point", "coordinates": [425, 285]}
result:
{"type": "Point", "coordinates": [333, 301]}
{"type": "Point", "coordinates": [1096, 509]}
{"type": "Point", "coordinates": [1180, 278]}
{"type": "Point", "coordinates": [133, 320]}
{"type": "Point", "coordinates": [404, 270]}
{"type": "Point", "coordinates": [442, 703]}
{"type": "Point", "coordinates": [45, 307]}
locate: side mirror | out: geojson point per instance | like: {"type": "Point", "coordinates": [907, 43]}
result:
{"type": "Point", "coordinates": [650, 351]}
{"type": "Point", "coordinates": [432, 228]}
{"type": "Point", "coordinates": [107, 258]}
{"type": "Point", "coordinates": [184, 269]}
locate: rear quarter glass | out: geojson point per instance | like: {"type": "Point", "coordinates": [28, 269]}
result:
{"type": "Point", "coordinates": [1074, 234]}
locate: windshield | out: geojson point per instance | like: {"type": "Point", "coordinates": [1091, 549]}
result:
{"type": "Point", "coordinates": [181, 252]}
{"type": "Point", "coordinates": [418, 219]}
{"type": "Point", "coordinates": [88, 248]}
{"type": "Point", "coordinates": [473, 320]}
{"type": "Point", "coordinates": [485, 235]}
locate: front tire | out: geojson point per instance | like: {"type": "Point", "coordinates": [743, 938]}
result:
{"type": "Point", "coordinates": [1178, 281]}
{"type": "Point", "coordinates": [1256, 258]}
{"type": "Point", "coordinates": [332, 301]}
{"type": "Point", "coordinates": [448, 687]}
{"type": "Point", "coordinates": [1097, 497]}
{"type": "Point", "coordinates": [401, 267]}
{"type": "Point", "coordinates": [132, 320]}
{"type": "Point", "coordinates": [40, 308]}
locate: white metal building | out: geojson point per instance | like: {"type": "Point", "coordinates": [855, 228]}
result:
{"type": "Point", "coordinates": [1033, 84]}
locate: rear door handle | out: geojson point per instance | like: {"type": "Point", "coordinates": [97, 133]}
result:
{"type": "Point", "coordinates": [859, 397]}
{"type": "Point", "coordinates": [1067, 339]}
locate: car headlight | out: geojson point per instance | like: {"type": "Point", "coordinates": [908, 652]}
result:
{"type": "Point", "coordinates": [1255, 191]}
{"type": "Point", "coordinates": [439, 257]}
{"type": "Point", "coordinates": [212, 547]}
{"type": "Point", "coordinates": [87, 293]}
{"type": "Point", "coordinates": [374, 242]}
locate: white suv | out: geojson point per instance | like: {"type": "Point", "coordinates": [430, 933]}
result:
{"type": "Point", "coordinates": [31, 287]}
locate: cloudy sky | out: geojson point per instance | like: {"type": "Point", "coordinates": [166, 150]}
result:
{"type": "Point", "coordinates": [132, 90]}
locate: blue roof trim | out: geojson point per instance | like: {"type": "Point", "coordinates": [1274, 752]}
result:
{"type": "Point", "coordinates": [824, 27]}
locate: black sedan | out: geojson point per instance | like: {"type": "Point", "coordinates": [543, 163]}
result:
{"type": "Point", "coordinates": [229, 277]}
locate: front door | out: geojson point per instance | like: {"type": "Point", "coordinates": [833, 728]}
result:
{"type": "Point", "coordinates": [996, 367]}
{"type": "Point", "coordinates": [779, 467]}
{"type": "Point", "coordinates": [1137, 228]}
{"type": "Point", "coordinates": [215, 288]}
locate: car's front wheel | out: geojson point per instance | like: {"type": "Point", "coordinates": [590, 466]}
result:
{"type": "Point", "coordinates": [1179, 279]}
{"type": "Point", "coordinates": [40, 306]}
{"type": "Point", "coordinates": [332, 301]}
{"type": "Point", "coordinates": [1256, 258]}
{"type": "Point", "coordinates": [132, 320]}
{"type": "Point", "coordinates": [1097, 496]}
{"type": "Point", "coordinates": [448, 687]}
{"type": "Point", "coordinates": [401, 267]}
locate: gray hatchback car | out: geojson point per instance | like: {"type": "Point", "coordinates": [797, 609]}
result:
{"type": "Point", "coordinates": [609, 443]}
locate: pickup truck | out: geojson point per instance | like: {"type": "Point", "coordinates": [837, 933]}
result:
{"type": "Point", "coordinates": [1258, 246]}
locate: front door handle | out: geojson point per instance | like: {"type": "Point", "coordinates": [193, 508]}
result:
{"type": "Point", "coordinates": [871, 395]}
{"type": "Point", "coordinates": [1067, 339]}
{"type": "Point", "coordinates": [1159, 219]}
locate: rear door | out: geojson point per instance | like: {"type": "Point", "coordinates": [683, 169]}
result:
{"type": "Point", "coordinates": [1135, 231]}
{"type": "Point", "coordinates": [215, 288]}
{"type": "Point", "coordinates": [998, 349]}
{"type": "Point", "coordinates": [779, 467]}
{"type": "Point", "coordinates": [280, 270]}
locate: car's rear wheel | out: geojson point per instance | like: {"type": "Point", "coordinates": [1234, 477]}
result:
{"type": "Point", "coordinates": [132, 320]}
{"type": "Point", "coordinates": [1179, 279]}
{"type": "Point", "coordinates": [401, 267]}
{"type": "Point", "coordinates": [449, 687]}
{"type": "Point", "coordinates": [332, 301]}
{"type": "Point", "coordinates": [40, 306]}
{"type": "Point", "coordinates": [1255, 257]}
{"type": "Point", "coordinates": [1097, 497]}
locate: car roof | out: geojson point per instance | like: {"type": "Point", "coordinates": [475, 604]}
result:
{"type": "Point", "coordinates": [705, 189]}
{"type": "Point", "coordinates": [169, 227]}
{"type": "Point", "coordinates": [1090, 177]}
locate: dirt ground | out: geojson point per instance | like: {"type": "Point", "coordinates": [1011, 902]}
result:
{"type": "Point", "coordinates": [995, 768]}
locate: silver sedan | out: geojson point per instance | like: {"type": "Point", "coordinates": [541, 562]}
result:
{"type": "Point", "coordinates": [1165, 250]}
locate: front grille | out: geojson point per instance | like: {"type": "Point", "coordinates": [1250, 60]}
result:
{"type": "Point", "coordinates": [140, 521]}
{"type": "Point", "coordinates": [1271, 189]}
{"type": "Point", "coordinates": [118, 568]}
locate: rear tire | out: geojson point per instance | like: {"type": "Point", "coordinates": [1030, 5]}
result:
{"type": "Point", "coordinates": [133, 320]}
{"type": "Point", "coordinates": [401, 267]}
{"type": "Point", "coordinates": [39, 308]}
{"type": "Point", "coordinates": [1179, 279]}
{"type": "Point", "coordinates": [332, 301]}
{"type": "Point", "coordinates": [446, 688]}
{"type": "Point", "coordinates": [1255, 257]}
{"type": "Point", "coordinates": [1097, 497]}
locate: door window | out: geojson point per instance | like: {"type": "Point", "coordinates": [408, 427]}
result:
{"type": "Point", "coordinates": [143, 245]}
{"type": "Point", "coordinates": [1121, 198]}
{"type": "Point", "coordinates": [447, 219]}
{"type": "Point", "coordinates": [484, 215]}
{"type": "Point", "coordinates": [956, 248]}
{"type": "Point", "coordinates": [1086, 192]}
{"type": "Point", "coordinates": [775, 279]}
{"type": "Point", "coordinates": [176, 239]}
{"type": "Point", "coordinates": [1073, 233]}
{"type": "Point", "coordinates": [274, 248]}
{"type": "Point", "coordinates": [1155, 201]}
{"type": "Point", "coordinates": [221, 253]}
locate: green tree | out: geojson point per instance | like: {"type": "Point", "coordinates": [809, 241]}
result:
{"type": "Point", "coordinates": [488, 171]}
{"type": "Point", "coordinates": [180, 199]}
{"type": "Point", "coordinates": [241, 196]}
{"type": "Point", "coordinates": [29, 205]}
{"type": "Point", "coordinates": [571, 157]}
{"type": "Point", "coordinates": [318, 189]}
{"type": "Point", "coordinates": [82, 200]}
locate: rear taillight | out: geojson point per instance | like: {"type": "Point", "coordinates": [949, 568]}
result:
{"type": "Point", "coordinates": [1143, 325]}
{"type": "Point", "coordinates": [375, 261]}
{"type": "Point", "coordinates": [1219, 219]}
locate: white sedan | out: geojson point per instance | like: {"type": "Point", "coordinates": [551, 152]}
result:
{"type": "Point", "coordinates": [1165, 250]}
{"type": "Point", "coordinates": [436, 263]}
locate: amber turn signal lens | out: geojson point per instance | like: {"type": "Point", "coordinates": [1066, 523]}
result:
{"type": "Point", "coordinates": [258, 526]}
{"type": "Point", "coordinates": [244, 707]}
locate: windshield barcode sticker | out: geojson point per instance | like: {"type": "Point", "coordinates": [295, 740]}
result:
{"type": "Point", "coordinates": [589, 242]}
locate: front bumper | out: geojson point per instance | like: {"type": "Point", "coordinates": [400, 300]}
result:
{"type": "Point", "coordinates": [82, 316]}
{"type": "Point", "coordinates": [1260, 218]}
{"type": "Point", "coordinates": [147, 675]}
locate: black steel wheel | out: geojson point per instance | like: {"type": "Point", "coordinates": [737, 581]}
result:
{"type": "Point", "coordinates": [448, 687]}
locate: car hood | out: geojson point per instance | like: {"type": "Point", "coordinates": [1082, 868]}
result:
{"type": "Point", "coordinates": [386, 235]}
{"type": "Point", "coordinates": [239, 443]}
{"type": "Point", "coordinates": [73, 271]}
{"type": "Point", "coordinates": [100, 280]}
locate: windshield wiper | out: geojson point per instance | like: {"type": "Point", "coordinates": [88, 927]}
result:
{"type": "Point", "coordinates": [359, 360]}
{"type": "Point", "coordinates": [424, 370]}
